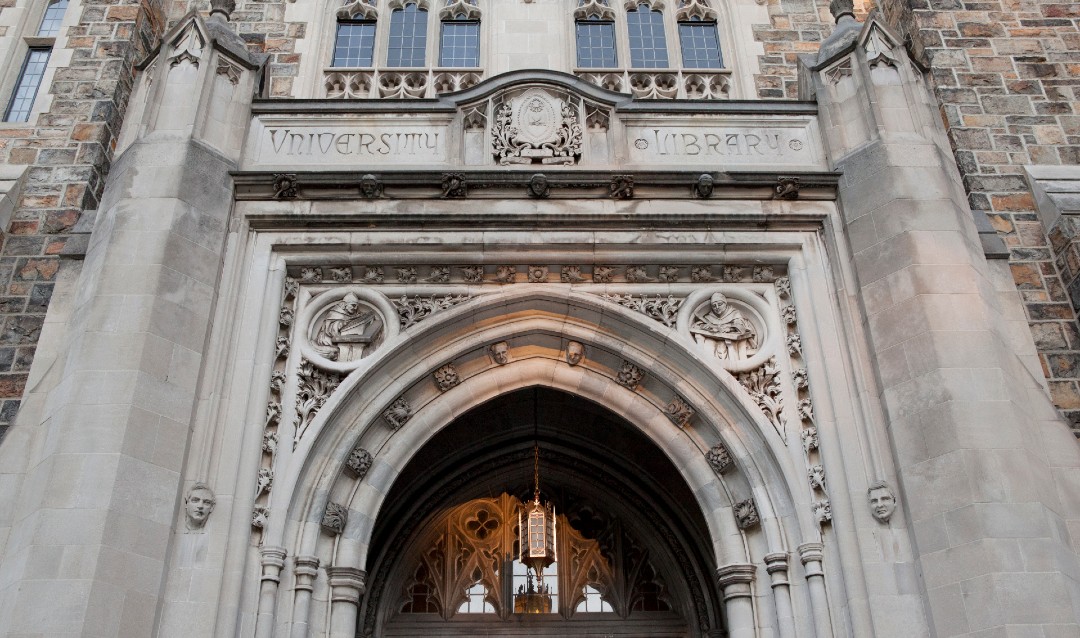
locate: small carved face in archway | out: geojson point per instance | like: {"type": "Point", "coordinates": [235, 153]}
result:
{"type": "Point", "coordinates": [198, 505]}
{"type": "Point", "coordinates": [500, 352]}
{"type": "Point", "coordinates": [575, 352]}
{"type": "Point", "coordinates": [882, 501]}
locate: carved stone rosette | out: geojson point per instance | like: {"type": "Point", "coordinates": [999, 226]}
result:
{"type": "Point", "coordinates": [719, 458]}
{"type": "Point", "coordinates": [630, 376]}
{"type": "Point", "coordinates": [358, 463]}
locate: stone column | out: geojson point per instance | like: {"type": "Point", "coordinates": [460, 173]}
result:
{"type": "Point", "coordinates": [987, 471]}
{"type": "Point", "coordinates": [273, 559]}
{"type": "Point", "coordinates": [734, 581]}
{"type": "Point", "coordinates": [812, 556]}
{"type": "Point", "coordinates": [104, 485]}
{"type": "Point", "coordinates": [307, 568]}
{"type": "Point", "coordinates": [347, 585]}
{"type": "Point", "coordinates": [777, 566]}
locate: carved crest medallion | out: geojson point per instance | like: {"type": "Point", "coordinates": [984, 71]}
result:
{"type": "Point", "coordinates": [536, 127]}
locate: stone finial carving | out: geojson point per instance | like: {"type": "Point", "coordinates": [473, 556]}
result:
{"type": "Point", "coordinates": [359, 462]}
{"type": "Point", "coordinates": [198, 505]}
{"type": "Point", "coordinates": [594, 9]}
{"type": "Point", "coordinates": [454, 186]}
{"type": "Point", "coordinates": [679, 411]}
{"type": "Point", "coordinates": [537, 126]}
{"type": "Point", "coordinates": [335, 518]}
{"type": "Point", "coordinates": [783, 287]}
{"type": "Point", "coordinates": [358, 10]}
{"type": "Point", "coordinates": [348, 331]}
{"type": "Point", "coordinates": [721, 330]}
{"type": "Point", "coordinates": [763, 384]}
{"type": "Point", "coordinates": [787, 188]}
{"type": "Point", "coordinates": [621, 187]}
{"type": "Point", "coordinates": [260, 516]}
{"type": "Point", "coordinates": [822, 511]}
{"type": "Point", "coordinates": [398, 414]}
{"type": "Point", "coordinates": [794, 344]}
{"type": "Point", "coordinates": [809, 439]}
{"type": "Point", "coordinates": [841, 8]}
{"type": "Point", "coordinates": [500, 352]}
{"type": "Point", "coordinates": [447, 377]}
{"type": "Point", "coordinates": [630, 376]}
{"type": "Point", "coordinates": [286, 186]}
{"type": "Point", "coordinates": [719, 458]}
{"type": "Point", "coordinates": [224, 8]}
{"type": "Point", "coordinates": [701, 274]}
{"type": "Point", "coordinates": [411, 310]}
{"type": "Point", "coordinates": [694, 10]}
{"type": "Point", "coordinates": [472, 274]}
{"type": "Point", "coordinates": [703, 187]}
{"type": "Point", "coordinates": [571, 275]}
{"type": "Point", "coordinates": [664, 310]}
{"type": "Point", "coordinates": [506, 274]}
{"type": "Point", "coordinates": [539, 186]}
{"type": "Point", "coordinates": [537, 274]}
{"type": "Point", "coordinates": [439, 275]}
{"type": "Point", "coordinates": [816, 476]}
{"type": "Point", "coordinates": [460, 10]}
{"type": "Point", "coordinates": [371, 187]}
{"type": "Point", "coordinates": [882, 501]}
{"type": "Point", "coordinates": [746, 514]}
{"type": "Point", "coordinates": [265, 482]}
{"type": "Point", "coordinates": [575, 353]}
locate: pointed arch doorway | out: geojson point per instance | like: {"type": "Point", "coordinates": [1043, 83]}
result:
{"type": "Point", "coordinates": [633, 547]}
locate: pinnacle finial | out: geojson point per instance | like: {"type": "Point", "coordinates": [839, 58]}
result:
{"type": "Point", "coordinates": [841, 8]}
{"type": "Point", "coordinates": [224, 7]}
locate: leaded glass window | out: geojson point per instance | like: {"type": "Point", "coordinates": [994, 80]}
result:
{"type": "Point", "coordinates": [595, 44]}
{"type": "Point", "coordinates": [459, 44]}
{"type": "Point", "coordinates": [22, 100]}
{"type": "Point", "coordinates": [700, 45]}
{"type": "Point", "coordinates": [648, 45]}
{"type": "Point", "coordinates": [355, 44]}
{"type": "Point", "coordinates": [54, 15]}
{"type": "Point", "coordinates": [408, 37]}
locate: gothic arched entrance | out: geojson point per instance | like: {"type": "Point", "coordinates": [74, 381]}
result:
{"type": "Point", "coordinates": [629, 532]}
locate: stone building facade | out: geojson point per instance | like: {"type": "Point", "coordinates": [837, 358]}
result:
{"type": "Point", "coordinates": [773, 302]}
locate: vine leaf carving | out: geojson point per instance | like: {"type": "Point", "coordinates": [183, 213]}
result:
{"type": "Point", "coordinates": [763, 384]}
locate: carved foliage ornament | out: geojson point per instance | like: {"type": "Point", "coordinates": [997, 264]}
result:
{"type": "Point", "coordinates": [412, 310]}
{"type": "Point", "coordinates": [313, 389]}
{"type": "Point", "coordinates": [536, 126]}
{"type": "Point", "coordinates": [359, 462]}
{"type": "Point", "coordinates": [679, 411]}
{"type": "Point", "coordinates": [286, 186]}
{"type": "Point", "coordinates": [398, 413]}
{"type": "Point", "coordinates": [719, 458]}
{"type": "Point", "coordinates": [763, 384]}
{"type": "Point", "coordinates": [662, 309]}
{"type": "Point", "coordinates": [630, 376]}
{"type": "Point", "coordinates": [335, 518]}
{"type": "Point", "coordinates": [746, 514]}
{"type": "Point", "coordinates": [447, 377]}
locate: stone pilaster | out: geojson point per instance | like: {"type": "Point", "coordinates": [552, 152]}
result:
{"type": "Point", "coordinates": [980, 453]}
{"type": "Point", "coordinates": [104, 484]}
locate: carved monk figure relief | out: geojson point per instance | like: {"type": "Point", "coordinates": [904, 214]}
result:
{"type": "Point", "coordinates": [722, 330]}
{"type": "Point", "coordinates": [348, 331]}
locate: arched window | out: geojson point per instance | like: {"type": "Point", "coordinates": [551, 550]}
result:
{"type": "Point", "coordinates": [645, 31]}
{"type": "Point", "coordinates": [354, 44]}
{"type": "Point", "coordinates": [700, 45]}
{"type": "Point", "coordinates": [407, 46]}
{"type": "Point", "coordinates": [459, 37]}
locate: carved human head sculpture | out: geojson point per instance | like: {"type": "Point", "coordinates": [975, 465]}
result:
{"type": "Point", "coordinates": [718, 302]}
{"type": "Point", "coordinates": [575, 352]}
{"type": "Point", "coordinates": [198, 504]}
{"type": "Point", "coordinates": [500, 352]}
{"type": "Point", "coordinates": [882, 501]}
{"type": "Point", "coordinates": [350, 303]}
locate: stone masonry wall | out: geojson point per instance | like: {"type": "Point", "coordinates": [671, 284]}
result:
{"type": "Point", "coordinates": [1007, 77]}
{"type": "Point", "coordinates": [68, 150]}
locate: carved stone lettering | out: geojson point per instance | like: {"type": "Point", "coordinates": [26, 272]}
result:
{"type": "Point", "coordinates": [385, 144]}
{"type": "Point", "coordinates": [734, 145]}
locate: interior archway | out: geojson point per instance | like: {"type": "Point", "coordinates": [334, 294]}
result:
{"type": "Point", "coordinates": [618, 497]}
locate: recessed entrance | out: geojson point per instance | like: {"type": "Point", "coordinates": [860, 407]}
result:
{"type": "Point", "coordinates": [633, 549]}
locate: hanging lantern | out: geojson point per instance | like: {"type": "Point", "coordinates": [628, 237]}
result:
{"type": "Point", "coordinates": [536, 525]}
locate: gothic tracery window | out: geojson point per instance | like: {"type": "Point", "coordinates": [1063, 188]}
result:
{"type": "Point", "coordinates": [648, 43]}
{"type": "Point", "coordinates": [407, 46]}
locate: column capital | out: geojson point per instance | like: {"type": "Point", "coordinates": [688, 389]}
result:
{"type": "Point", "coordinates": [811, 553]}
{"type": "Point", "coordinates": [735, 580]}
{"type": "Point", "coordinates": [307, 568]}
{"type": "Point", "coordinates": [347, 584]}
